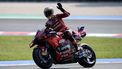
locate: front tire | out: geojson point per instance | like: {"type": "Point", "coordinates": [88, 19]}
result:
{"type": "Point", "coordinates": [88, 58]}
{"type": "Point", "coordinates": [44, 62]}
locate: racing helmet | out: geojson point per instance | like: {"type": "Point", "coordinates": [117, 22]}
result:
{"type": "Point", "coordinates": [48, 11]}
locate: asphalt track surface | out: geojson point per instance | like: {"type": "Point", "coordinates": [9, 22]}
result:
{"type": "Point", "coordinates": [69, 66]}
{"type": "Point", "coordinates": [91, 26]}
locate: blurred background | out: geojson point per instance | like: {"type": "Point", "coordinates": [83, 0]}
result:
{"type": "Point", "coordinates": [20, 19]}
{"type": "Point", "coordinates": [61, 0]}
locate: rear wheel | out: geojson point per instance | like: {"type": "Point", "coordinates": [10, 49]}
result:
{"type": "Point", "coordinates": [43, 61]}
{"type": "Point", "coordinates": [88, 58]}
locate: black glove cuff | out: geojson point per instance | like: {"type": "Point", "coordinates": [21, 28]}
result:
{"type": "Point", "coordinates": [62, 9]}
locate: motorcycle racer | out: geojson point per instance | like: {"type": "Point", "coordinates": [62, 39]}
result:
{"type": "Point", "coordinates": [55, 44]}
{"type": "Point", "coordinates": [57, 24]}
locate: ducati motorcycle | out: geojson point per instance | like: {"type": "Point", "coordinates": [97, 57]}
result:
{"type": "Point", "coordinates": [44, 54]}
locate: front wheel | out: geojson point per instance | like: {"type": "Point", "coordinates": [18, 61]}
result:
{"type": "Point", "coordinates": [88, 58]}
{"type": "Point", "coordinates": [44, 62]}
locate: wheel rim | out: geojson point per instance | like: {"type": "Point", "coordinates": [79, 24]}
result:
{"type": "Point", "coordinates": [89, 56]}
{"type": "Point", "coordinates": [44, 58]}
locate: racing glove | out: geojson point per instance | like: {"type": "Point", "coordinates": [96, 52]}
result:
{"type": "Point", "coordinates": [59, 6]}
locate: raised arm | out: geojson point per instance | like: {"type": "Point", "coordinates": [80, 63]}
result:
{"type": "Point", "coordinates": [64, 14]}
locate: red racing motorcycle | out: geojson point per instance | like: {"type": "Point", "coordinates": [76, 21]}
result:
{"type": "Point", "coordinates": [44, 54]}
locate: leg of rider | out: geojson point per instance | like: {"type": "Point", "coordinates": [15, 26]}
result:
{"type": "Point", "coordinates": [69, 36]}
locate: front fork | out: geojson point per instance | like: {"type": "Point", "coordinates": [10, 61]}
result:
{"type": "Point", "coordinates": [44, 51]}
{"type": "Point", "coordinates": [42, 47]}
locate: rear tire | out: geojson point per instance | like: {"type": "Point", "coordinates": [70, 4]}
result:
{"type": "Point", "coordinates": [39, 59]}
{"type": "Point", "coordinates": [90, 59]}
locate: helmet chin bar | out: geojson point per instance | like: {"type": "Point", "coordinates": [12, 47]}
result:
{"type": "Point", "coordinates": [50, 16]}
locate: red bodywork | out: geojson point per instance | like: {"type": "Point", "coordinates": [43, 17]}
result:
{"type": "Point", "coordinates": [55, 40]}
